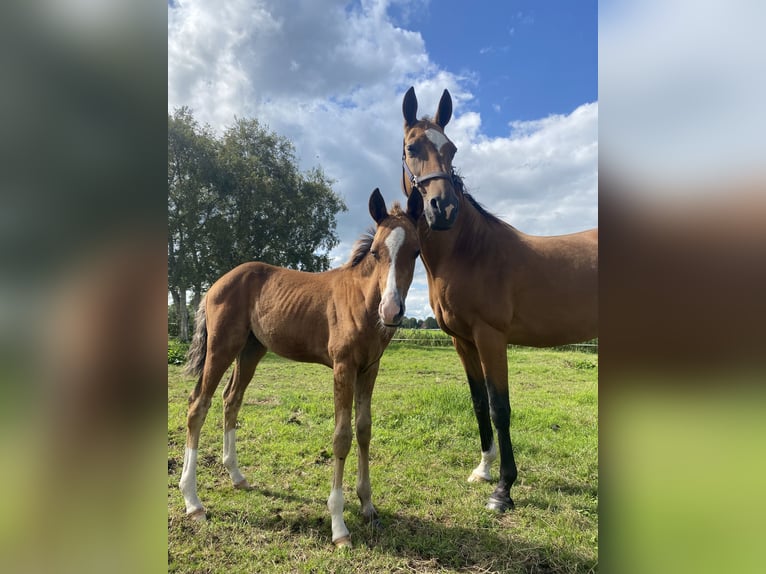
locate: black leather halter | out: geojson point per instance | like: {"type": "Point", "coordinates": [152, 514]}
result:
{"type": "Point", "coordinates": [416, 180]}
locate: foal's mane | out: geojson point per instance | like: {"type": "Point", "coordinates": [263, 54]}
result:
{"type": "Point", "coordinates": [363, 245]}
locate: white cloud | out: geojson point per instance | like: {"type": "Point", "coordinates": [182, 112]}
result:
{"type": "Point", "coordinates": [682, 85]}
{"type": "Point", "coordinates": [332, 80]}
{"type": "Point", "coordinates": [542, 178]}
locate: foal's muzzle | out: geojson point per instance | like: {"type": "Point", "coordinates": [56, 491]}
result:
{"type": "Point", "coordinates": [391, 311]}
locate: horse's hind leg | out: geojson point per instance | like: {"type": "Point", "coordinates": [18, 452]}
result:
{"type": "Point", "coordinates": [220, 354]}
{"type": "Point", "coordinates": [365, 383]}
{"type": "Point", "coordinates": [244, 369]}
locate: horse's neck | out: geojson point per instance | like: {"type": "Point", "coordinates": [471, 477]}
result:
{"type": "Point", "coordinates": [468, 236]}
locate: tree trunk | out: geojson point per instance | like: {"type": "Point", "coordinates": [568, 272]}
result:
{"type": "Point", "coordinates": [182, 312]}
{"type": "Point", "coordinates": [183, 327]}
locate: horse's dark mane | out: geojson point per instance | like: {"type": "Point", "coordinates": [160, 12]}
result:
{"type": "Point", "coordinates": [457, 181]}
{"type": "Point", "coordinates": [361, 247]}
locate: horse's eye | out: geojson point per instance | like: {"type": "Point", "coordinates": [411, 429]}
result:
{"type": "Point", "coordinates": [412, 149]}
{"type": "Point", "coordinates": [375, 254]}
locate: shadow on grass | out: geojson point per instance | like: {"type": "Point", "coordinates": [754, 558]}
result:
{"type": "Point", "coordinates": [421, 542]}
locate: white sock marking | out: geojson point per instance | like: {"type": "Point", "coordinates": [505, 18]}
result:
{"type": "Point", "coordinates": [335, 506]}
{"type": "Point", "coordinates": [230, 456]}
{"type": "Point", "coordinates": [188, 482]}
{"type": "Point", "coordinates": [483, 470]}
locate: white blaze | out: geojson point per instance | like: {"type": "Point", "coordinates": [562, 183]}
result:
{"type": "Point", "coordinates": [390, 302]}
{"type": "Point", "coordinates": [393, 243]}
{"type": "Point", "coordinates": [437, 138]}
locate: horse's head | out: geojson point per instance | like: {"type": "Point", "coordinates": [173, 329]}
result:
{"type": "Point", "coordinates": [427, 161]}
{"type": "Point", "coordinates": [394, 248]}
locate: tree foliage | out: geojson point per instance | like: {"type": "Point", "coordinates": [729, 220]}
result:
{"type": "Point", "coordinates": [237, 198]}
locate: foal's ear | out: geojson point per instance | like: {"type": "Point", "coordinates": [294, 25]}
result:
{"type": "Point", "coordinates": [378, 206]}
{"type": "Point", "coordinates": [415, 205]}
{"type": "Point", "coordinates": [410, 108]}
{"type": "Point", "coordinates": [444, 113]}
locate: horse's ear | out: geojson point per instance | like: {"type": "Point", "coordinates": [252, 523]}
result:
{"type": "Point", "coordinates": [410, 108]}
{"type": "Point", "coordinates": [415, 205]}
{"type": "Point", "coordinates": [444, 113]}
{"type": "Point", "coordinates": [378, 206]}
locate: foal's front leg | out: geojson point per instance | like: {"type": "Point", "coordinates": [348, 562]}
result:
{"type": "Point", "coordinates": [365, 383]}
{"type": "Point", "coordinates": [343, 392]}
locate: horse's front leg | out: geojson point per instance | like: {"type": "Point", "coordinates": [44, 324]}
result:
{"type": "Point", "coordinates": [469, 356]}
{"type": "Point", "coordinates": [365, 383]}
{"type": "Point", "coordinates": [344, 380]}
{"type": "Point", "coordinates": [494, 360]}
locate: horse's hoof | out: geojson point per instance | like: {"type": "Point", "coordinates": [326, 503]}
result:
{"type": "Point", "coordinates": [342, 543]}
{"type": "Point", "coordinates": [475, 477]}
{"type": "Point", "coordinates": [500, 504]}
{"type": "Point", "coordinates": [197, 515]}
{"type": "Point", "coordinates": [243, 485]}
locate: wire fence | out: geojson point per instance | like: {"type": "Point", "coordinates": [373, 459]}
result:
{"type": "Point", "coordinates": [438, 338]}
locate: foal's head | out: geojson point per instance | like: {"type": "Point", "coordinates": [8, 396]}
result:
{"type": "Point", "coordinates": [394, 248]}
{"type": "Point", "coordinates": [427, 161]}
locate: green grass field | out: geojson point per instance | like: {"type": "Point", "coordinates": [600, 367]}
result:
{"type": "Point", "coordinates": [424, 445]}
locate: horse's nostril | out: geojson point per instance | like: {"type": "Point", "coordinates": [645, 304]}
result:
{"type": "Point", "coordinates": [434, 203]}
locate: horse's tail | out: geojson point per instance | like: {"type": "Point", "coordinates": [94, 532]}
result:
{"type": "Point", "coordinates": [195, 358]}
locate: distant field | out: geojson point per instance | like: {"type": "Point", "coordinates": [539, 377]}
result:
{"type": "Point", "coordinates": [424, 445]}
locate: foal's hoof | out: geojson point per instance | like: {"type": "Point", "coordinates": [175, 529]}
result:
{"type": "Point", "coordinates": [500, 503]}
{"type": "Point", "coordinates": [342, 543]}
{"type": "Point", "coordinates": [243, 485]}
{"type": "Point", "coordinates": [197, 515]}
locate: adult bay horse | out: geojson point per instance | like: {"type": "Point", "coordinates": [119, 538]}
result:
{"type": "Point", "coordinates": [343, 318]}
{"type": "Point", "coordinates": [489, 284]}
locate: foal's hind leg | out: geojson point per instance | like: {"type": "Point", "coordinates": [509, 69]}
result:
{"type": "Point", "coordinates": [365, 383]}
{"type": "Point", "coordinates": [243, 372]}
{"type": "Point", "coordinates": [219, 356]}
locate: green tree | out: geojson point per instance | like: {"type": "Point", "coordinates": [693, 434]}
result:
{"type": "Point", "coordinates": [192, 200]}
{"type": "Point", "coordinates": [237, 198]}
{"type": "Point", "coordinates": [273, 212]}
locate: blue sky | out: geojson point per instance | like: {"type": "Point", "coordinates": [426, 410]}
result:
{"type": "Point", "coordinates": [331, 75]}
{"type": "Point", "coordinates": [524, 59]}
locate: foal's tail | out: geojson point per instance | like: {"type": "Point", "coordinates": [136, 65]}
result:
{"type": "Point", "coordinates": [195, 358]}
